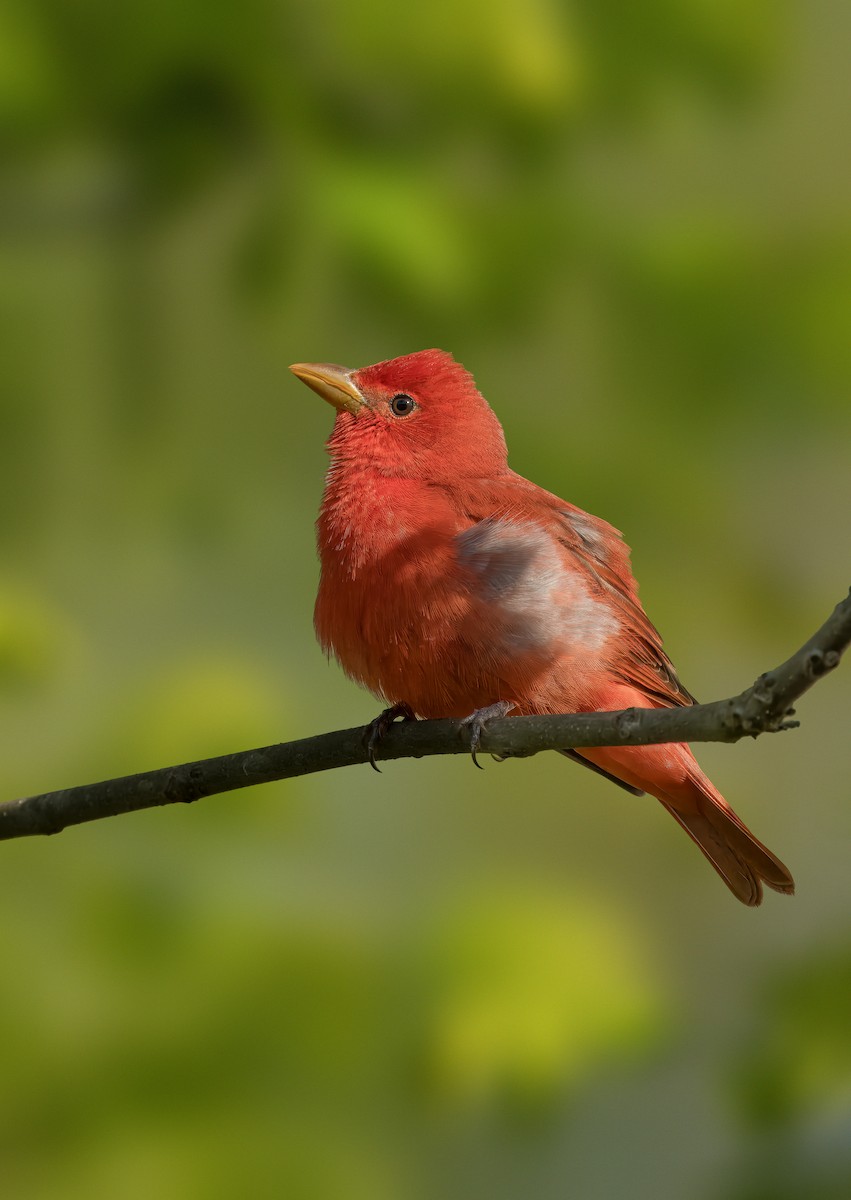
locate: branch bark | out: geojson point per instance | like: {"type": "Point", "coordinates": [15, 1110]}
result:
{"type": "Point", "coordinates": [766, 707]}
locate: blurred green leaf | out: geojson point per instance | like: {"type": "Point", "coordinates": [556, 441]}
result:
{"type": "Point", "coordinates": [799, 1062]}
{"type": "Point", "coordinates": [197, 707]}
{"type": "Point", "coordinates": [34, 637]}
{"type": "Point", "coordinates": [530, 992]}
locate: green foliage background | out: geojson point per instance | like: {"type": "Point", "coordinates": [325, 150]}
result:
{"type": "Point", "coordinates": [632, 223]}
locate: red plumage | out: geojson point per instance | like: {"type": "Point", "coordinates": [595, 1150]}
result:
{"type": "Point", "coordinates": [450, 583]}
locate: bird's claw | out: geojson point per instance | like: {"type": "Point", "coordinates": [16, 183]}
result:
{"type": "Point", "coordinates": [479, 719]}
{"type": "Point", "coordinates": [376, 729]}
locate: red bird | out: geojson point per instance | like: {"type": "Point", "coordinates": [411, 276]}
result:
{"type": "Point", "coordinates": [453, 587]}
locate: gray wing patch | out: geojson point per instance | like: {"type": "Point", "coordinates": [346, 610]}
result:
{"type": "Point", "coordinates": [520, 568]}
{"type": "Point", "coordinates": [516, 568]}
{"type": "Point", "coordinates": [503, 555]}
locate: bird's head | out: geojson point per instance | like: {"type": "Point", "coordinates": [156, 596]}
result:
{"type": "Point", "coordinates": [416, 416]}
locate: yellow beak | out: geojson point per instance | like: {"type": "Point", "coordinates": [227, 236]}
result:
{"type": "Point", "coordinates": [332, 383]}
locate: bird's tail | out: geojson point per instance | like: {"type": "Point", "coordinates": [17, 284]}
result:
{"type": "Point", "coordinates": [739, 858]}
{"type": "Point", "coordinates": [671, 774]}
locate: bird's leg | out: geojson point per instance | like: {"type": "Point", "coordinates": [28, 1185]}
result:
{"type": "Point", "coordinates": [478, 720]}
{"type": "Point", "coordinates": [375, 730]}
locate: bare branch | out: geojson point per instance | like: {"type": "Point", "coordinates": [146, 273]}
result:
{"type": "Point", "coordinates": [763, 708]}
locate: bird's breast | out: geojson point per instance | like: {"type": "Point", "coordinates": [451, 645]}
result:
{"type": "Point", "coordinates": [450, 619]}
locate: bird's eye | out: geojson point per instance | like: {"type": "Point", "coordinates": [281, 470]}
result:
{"type": "Point", "coordinates": [402, 406]}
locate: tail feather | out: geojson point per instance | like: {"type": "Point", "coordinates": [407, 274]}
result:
{"type": "Point", "coordinates": [672, 775]}
{"type": "Point", "coordinates": [739, 858]}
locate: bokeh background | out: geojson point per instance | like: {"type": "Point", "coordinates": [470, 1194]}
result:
{"type": "Point", "coordinates": [633, 223]}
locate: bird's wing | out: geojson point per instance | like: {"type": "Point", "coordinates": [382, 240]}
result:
{"type": "Point", "coordinates": [490, 515]}
{"type": "Point", "coordinates": [600, 548]}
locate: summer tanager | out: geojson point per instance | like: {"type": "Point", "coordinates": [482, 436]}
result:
{"type": "Point", "coordinates": [453, 587]}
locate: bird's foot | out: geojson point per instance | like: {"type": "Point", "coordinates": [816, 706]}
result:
{"type": "Point", "coordinates": [478, 720]}
{"type": "Point", "coordinates": [376, 729]}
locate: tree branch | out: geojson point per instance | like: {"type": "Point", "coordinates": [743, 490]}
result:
{"type": "Point", "coordinates": [763, 708]}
